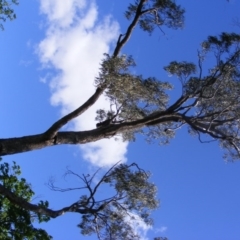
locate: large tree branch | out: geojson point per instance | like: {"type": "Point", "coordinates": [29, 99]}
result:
{"type": "Point", "coordinates": [38, 141]}
{"type": "Point", "coordinates": [201, 124]}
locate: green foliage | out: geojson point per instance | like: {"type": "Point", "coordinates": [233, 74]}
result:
{"type": "Point", "coordinates": [181, 69]}
{"type": "Point", "coordinates": [134, 200]}
{"type": "Point", "coordinates": [215, 96]}
{"type": "Point", "coordinates": [209, 103]}
{"type": "Point", "coordinates": [157, 13]}
{"type": "Point", "coordinates": [103, 115]}
{"type": "Point", "coordinates": [16, 222]}
{"type": "Point", "coordinates": [6, 10]}
{"type": "Point", "coordinates": [219, 96]}
{"type": "Point", "coordinates": [223, 42]}
{"type": "Point", "coordinates": [132, 96]}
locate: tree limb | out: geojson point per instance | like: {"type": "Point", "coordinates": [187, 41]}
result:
{"type": "Point", "coordinates": [130, 29]}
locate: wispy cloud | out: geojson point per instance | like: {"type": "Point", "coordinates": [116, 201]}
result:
{"type": "Point", "coordinates": [25, 63]}
{"type": "Point", "coordinates": [162, 229]}
{"type": "Point", "coordinates": [74, 44]}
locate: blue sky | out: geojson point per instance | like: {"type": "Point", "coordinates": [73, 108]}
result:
{"type": "Point", "coordinates": [50, 56]}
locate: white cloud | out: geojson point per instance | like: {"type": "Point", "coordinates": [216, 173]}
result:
{"type": "Point", "coordinates": [161, 229]}
{"type": "Point", "coordinates": [105, 152]}
{"type": "Point", "coordinates": [62, 13]}
{"type": "Point", "coordinates": [73, 46]}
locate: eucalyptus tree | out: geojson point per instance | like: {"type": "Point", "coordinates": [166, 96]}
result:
{"type": "Point", "coordinates": [208, 104]}
{"type": "Point", "coordinates": [132, 198]}
{"type": "Point", "coordinates": [113, 75]}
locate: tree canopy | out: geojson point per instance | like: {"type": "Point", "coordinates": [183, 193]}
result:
{"type": "Point", "coordinates": [133, 198]}
{"type": "Point", "coordinates": [208, 105]}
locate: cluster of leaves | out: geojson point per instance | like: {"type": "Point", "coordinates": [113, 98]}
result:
{"type": "Point", "coordinates": [224, 42]}
{"type": "Point", "coordinates": [134, 199]}
{"type": "Point", "coordinates": [130, 90]}
{"type": "Point", "coordinates": [157, 13]}
{"type": "Point", "coordinates": [6, 10]}
{"type": "Point", "coordinates": [16, 222]}
{"type": "Point", "coordinates": [181, 69]}
{"type": "Point", "coordinates": [133, 96]}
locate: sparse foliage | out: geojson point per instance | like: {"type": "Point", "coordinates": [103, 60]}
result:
{"type": "Point", "coordinates": [156, 13]}
{"type": "Point", "coordinates": [6, 11]}
{"type": "Point", "coordinates": [133, 197]}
